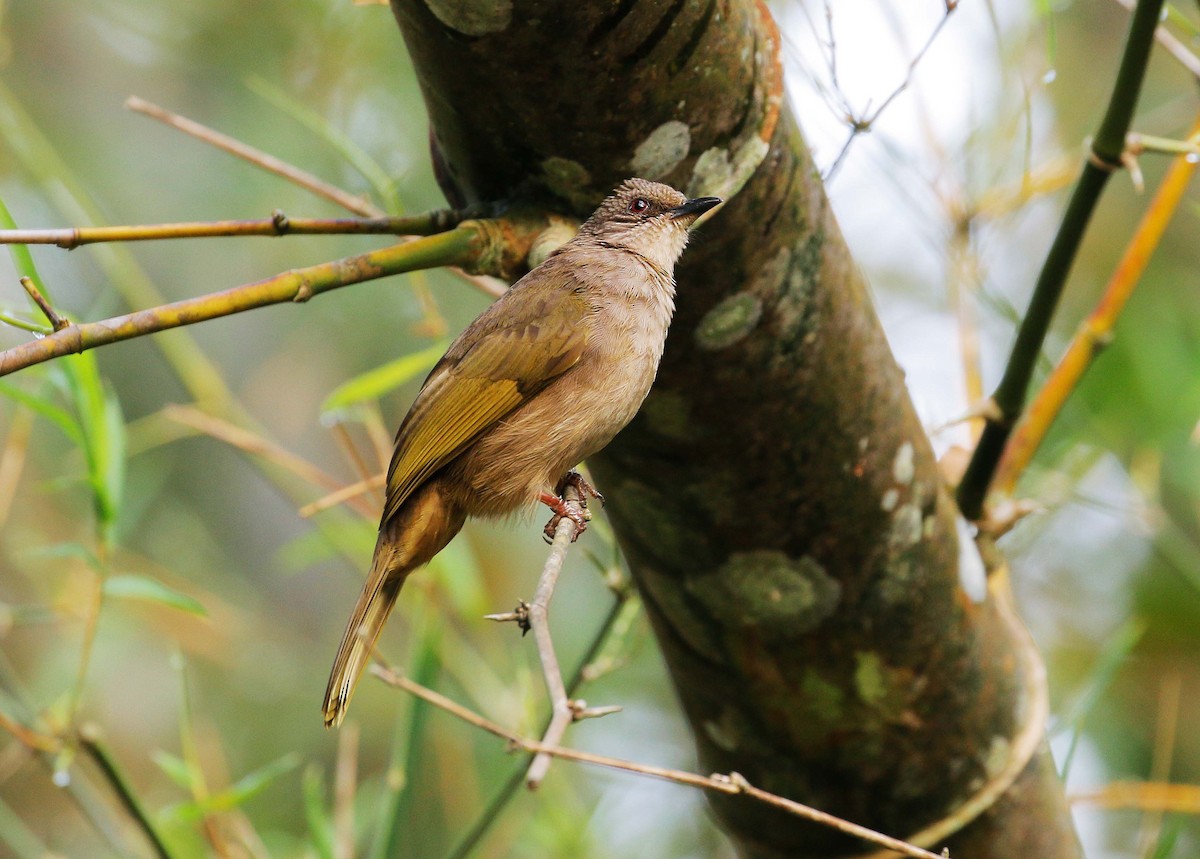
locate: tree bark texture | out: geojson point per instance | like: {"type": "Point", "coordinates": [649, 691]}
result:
{"type": "Point", "coordinates": [776, 497]}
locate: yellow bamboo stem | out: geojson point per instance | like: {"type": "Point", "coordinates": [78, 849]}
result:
{"type": "Point", "coordinates": [1097, 330]}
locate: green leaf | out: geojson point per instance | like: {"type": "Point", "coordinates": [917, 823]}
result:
{"type": "Point", "coordinates": [175, 768]}
{"type": "Point", "coordinates": [69, 550]}
{"type": "Point", "coordinates": [256, 782]}
{"type": "Point", "coordinates": [373, 384]}
{"type": "Point", "coordinates": [246, 787]}
{"type": "Point", "coordinates": [151, 590]}
{"type": "Point", "coordinates": [332, 538]}
{"type": "Point", "coordinates": [320, 825]}
{"type": "Point", "coordinates": [57, 415]}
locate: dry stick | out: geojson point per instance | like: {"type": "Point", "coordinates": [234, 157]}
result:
{"type": "Point", "coordinates": [1176, 48]}
{"type": "Point", "coordinates": [728, 784]}
{"type": "Point", "coordinates": [561, 711]}
{"type": "Point", "coordinates": [1097, 330]}
{"type": "Point", "coordinates": [290, 172]}
{"type": "Point", "coordinates": [860, 124]}
{"type": "Point", "coordinates": [256, 156]}
{"type": "Point", "coordinates": [1144, 796]}
{"type": "Point", "coordinates": [460, 245]}
{"type": "Point", "coordinates": [1165, 733]}
{"type": "Point", "coordinates": [57, 322]}
{"type": "Point", "coordinates": [345, 782]}
{"type": "Point", "coordinates": [279, 224]}
{"type": "Point", "coordinates": [333, 499]}
{"type": "Point", "coordinates": [257, 445]}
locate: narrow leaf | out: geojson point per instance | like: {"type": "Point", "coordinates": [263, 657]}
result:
{"type": "Point", "coordinates": [373, 384]}
{"type": "Point", "coordinates": [176, 769]}
{"type": "Point", "coordinates": [151, 590]}
{"type": "Point", "coordinates": [320, 826]}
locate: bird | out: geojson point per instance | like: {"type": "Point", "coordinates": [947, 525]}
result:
{"type": "Point", "coordinates": [541, 380]}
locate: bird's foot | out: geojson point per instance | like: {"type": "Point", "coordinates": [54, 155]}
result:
{"type": "Point", "coordinates": [577, 480]}
{"type": "Point", "coordinates": [576, 511]}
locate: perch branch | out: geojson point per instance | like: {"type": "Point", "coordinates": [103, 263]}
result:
{"type": "Point", "coordinates": [583, 673]}
{"type": "Point", "coordinates": [562, 712]}
{"type": "Point", "coordinates": [270, 163]}
{"type": "Point", "coordinates": [728, 784]}
{"type": "Point", "coordinates": [1104, 158]}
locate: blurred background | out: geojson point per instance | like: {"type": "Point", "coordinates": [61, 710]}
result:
{"type": "Point", "coordinates": [158, 584]}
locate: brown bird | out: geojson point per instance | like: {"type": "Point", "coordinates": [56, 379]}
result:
{"type": "Point", "coordinates": [544, 378]}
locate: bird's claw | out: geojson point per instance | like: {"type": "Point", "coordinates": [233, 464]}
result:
{"type": "Point", "coordinates": [576, 511]}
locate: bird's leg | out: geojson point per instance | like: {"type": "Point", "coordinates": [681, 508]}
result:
{"type": "Point", "coordinates": [570, 500]}
{"type": "Point", "coordinates": [576, 511]}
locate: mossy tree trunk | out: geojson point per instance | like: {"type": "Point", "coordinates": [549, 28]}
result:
{"type": "Point", "coordinates": [776, 497]}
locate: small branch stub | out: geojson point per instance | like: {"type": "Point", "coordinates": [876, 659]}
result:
{"type": "Point", "coordinates": [57, 322]}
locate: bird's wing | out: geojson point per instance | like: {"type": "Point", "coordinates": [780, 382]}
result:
{"type": "Point", "coordinates": [476, 385]}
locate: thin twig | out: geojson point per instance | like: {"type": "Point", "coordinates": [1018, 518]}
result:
{"type": "Point", "coordinates": [561, 712]}
{"type": "Point", "coordinates": [256, 445]}
{"type": "Point", "coordinates": [726, 784]}
{"type": "Point", "coordinates": [279, 224]}
{"type": "Point", "coordinates": [1174, 47]}
{"type": "Point", "coordinates": [345, 781]}
{"type": "Point", "coordinates": [1097, 330]}
{"type": "Point", "coordinates": [863, 123]}
{"type": "Point", "coordinates": [58, 323]}
{"type": "Point", "coordinates": [1165, 733]}
{"type": "Point", "coordinates": [267, 162]}
{"type": "Point", "coordinates": [460, 245]}
{"type": "Point", "coordinates": [90, 742]}
{"type": "Point", "coordinates": [342, 495]}
{"type": "Point", "coordinates": [489, 815]}
{"type": "Point", "coordinates": [1104, 157]}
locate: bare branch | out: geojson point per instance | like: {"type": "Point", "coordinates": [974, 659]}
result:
{"type": "Point", "coordinates": [270, 163]}
{"type": "Point", "coordinates": [727, 784]}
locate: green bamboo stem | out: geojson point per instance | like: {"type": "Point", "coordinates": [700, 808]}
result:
{"type": "Point", "coordinates": [462, 246]}
{"type": "Point", "coordinates": [278, 224]}
{"type": "Point", "coordinates": [1105, 157]}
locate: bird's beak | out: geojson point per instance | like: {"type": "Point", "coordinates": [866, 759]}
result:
{"type": "Point", "coordinates": [692, 209]}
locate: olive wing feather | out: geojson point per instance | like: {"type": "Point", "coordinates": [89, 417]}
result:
{"type": "Point", "coordinates": [469, 392]}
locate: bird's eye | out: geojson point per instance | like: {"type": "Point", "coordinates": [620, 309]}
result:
{"type": "Point", "coordinates": [638, 206]}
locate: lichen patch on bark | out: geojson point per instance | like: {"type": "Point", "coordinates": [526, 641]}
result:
{"type": "Point", "coordinates": [473, 19]}
{"type": "Point", "coordinates": [775, 595]}
{"type": "Point", "coordinates": [728, 322]}
{"type": "Point", "coordinates": [662, 151]}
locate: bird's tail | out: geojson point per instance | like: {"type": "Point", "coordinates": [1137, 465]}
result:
{"type": "Point", "coordinates": [419, 530]}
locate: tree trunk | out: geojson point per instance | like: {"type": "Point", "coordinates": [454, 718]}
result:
{"type": "Point", "coordinates": [776, 497]}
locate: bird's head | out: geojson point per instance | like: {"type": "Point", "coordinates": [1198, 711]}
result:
{"type": "Point", "coordinates": [647, 218]}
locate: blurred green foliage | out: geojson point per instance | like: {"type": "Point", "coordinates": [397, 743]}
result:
{"type": "Point", "coordinates": [158, 584]}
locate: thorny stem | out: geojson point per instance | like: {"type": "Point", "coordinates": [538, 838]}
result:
{"type": "Point", "coordinates": [1105, 157]}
